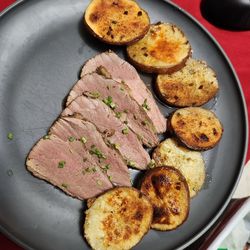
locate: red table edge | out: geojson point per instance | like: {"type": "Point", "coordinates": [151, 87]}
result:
{"type": "Point", "coordinates": [7, 4]}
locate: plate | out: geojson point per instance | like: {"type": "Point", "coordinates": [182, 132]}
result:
{"type": "Point", "coordinates": [43, 46]}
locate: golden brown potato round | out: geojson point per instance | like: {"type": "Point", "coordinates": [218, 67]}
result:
{"type": "Point", "coordinates": [164, 49]}
{"type": "Point", "coordinates": [193, 85]}
{"type": "Point", "coordinates": [118, 219]}
{"type": "Point", "coordinates": [168, 191]}
{"type": "Point", "coordinates": [117, 22]}
{"type": "Point", "coordinates": [189, 162]}
{"type": "Point", "coordinates": [197, 128]}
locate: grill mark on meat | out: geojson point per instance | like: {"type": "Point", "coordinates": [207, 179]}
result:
{"type": "Point", "coordinates": [121, 71]}
{"type": "Point", "coordinates": [96, 112]}
{"type": "Point", "coordinates": [96, 85]}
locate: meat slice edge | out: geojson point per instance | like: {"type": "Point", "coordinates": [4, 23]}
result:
{"type": "Point", "coordinates": [55, 161]}
{"type": "Point", "coordinates": [122, 71]}
{"type": "Point", "coordinates": [96, 112]}
{"type": "Point", "coordinates": [126, 108]}
{"type": "Point", "coordinates": [108, 159]}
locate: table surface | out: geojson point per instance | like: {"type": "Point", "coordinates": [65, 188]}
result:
{"type": "Point", "coordinates": [235, 44]}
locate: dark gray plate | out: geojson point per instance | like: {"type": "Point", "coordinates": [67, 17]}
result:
{"type": "Point", "coordinates": [42, 48]}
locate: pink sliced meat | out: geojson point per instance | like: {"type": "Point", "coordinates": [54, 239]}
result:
{"type": "Point", "coordinates": [126, 108]}
{"type": "Point", "coordinates": [55, 161]}
{"type": "Point", "coordinates": [108, 159]}
{"type": "Point", "coordinates": [98, 113]}
{"type": "Point", "coordinates": [122, 71]}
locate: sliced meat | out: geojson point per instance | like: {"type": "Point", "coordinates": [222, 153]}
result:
{"type": "Point", "coordinates": [122, 71]}
{"type": "Point", "coordinates": [109, 160]}
{"type": "Point", "coordinates": [116, 95]}
{"type": "Point", "coordinates": [98, 113]}
{"type": "Point", "coordinates": [55, 161]}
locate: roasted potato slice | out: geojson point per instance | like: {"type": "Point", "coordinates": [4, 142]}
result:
{"type": "Point", "coordinates": [197, 128]}
{"type": "Point", "coordinates": [193, 85]}
{"type": "Point", "coordinates": [168, 191]}
{"type": "Point", "coordinates": [164, 49]}
{"type": "Point", "coordinates": [118, 219]}
{"type": "Point", "coordinates": [117, 22]}
{"type": "Point", "coordinates": [190, 163]}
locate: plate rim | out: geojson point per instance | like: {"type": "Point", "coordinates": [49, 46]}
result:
{"type": "Point", "coordinates": [21, 243]}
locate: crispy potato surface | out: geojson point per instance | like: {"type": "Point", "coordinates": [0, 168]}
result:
{"type": "Point", "coordinates": [193, 85]}
{"type": "Point", "coordinates": [164, 49]}
{"type": "Point", "coordinates": [197, 128]}
{"type": "Point", "coordinates": [168, 191]}
{"type": "Point", "coordinates": [117, 22]}
{"type": "Point", "coordinates": [189, 162]}
{"type": "Point", "coordinates": [118, 219]}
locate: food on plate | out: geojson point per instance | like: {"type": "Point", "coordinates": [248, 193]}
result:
{"type": "Point", "coordinates": [98, 113]}
{"type": "Point", "coordinates": [57, 162]}
{"type": "Point", "coordinates": [87, 138]}
{"type": "Point", "coordinates": [116, 22]}
{"type": "Point", "coordinates": [193, 85]}
{"type": "Point", "coordinates": [197, 128]}
{"type": "Point", "coordinates": [122, 71]}
{"type": "Point", "coordinates": [117, 97]}
{"type": "Point", "coordinates": [118, 219]}
{"type": "Point", "coordinates": [190, 163]}
{"type": "Point", "coordinates": [164, 49]}
{"type": "Point", "coordinates": [168, 191]}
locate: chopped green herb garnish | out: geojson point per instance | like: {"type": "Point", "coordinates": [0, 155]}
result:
{"type": "Point", "coordinates": [144, 123]}
{"type": "Point", "coordinates": [145, 105]}
{"type": "Point", "coordinates": [125, 111]}
{"type": "Point", "coordinates": [139, 137]}
{"type": "Point", "coordinates": [46, 137]}
{"type": "Point", "coordinates": [65, 185]}
{"type": "Point", "coordinates": [110, 177]}
{"type": "Point", "coordinates": [118, 115]}
{"type": "Point", "coordinates": [99, 183]}
{"type": "Point", "coordinates": [71, 138]}
{"type": "Point", "coordinates": [116, 146]}
{"type": "Point", "coordinates": [122, 81]}
{"type": "Point", "coordinates": [121, 88]}
{"type": "Point", "coordinates": [88, 170]}
{"type": "Point", "coordinates": [109, 102]}
{"type": "Point", "coordinates": [126, 122]}
{"type": "Point", "coordinates": [61, 164]}
{"type": "Point", "coordinates": [94, 95]}
{"type": "Point", "coordinates": [151, 164]}
{"type": "Point", "coordinates": [83, 139]}
{"type": "Point", "coordinates": [97, 152]}
{"type": "Point", "coordinates": [106, 168]}
{"type": "Point", "coordinates": [131, 163]}
{"type": "Point", "coordinates": [10, 136]}
{"type": "Point", "coordinates": [125, 131]}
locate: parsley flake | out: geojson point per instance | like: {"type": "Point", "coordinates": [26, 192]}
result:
{"type": "Point", "coordinates": [61, 164]}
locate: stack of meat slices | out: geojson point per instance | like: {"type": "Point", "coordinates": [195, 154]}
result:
{"type": "Point", "coordinates": [110, 114]}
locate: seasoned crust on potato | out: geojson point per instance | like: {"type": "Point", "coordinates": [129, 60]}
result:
{"type": "Point", "coordinates": [164, 49]}
{"type": "Point", "coordinates": [118, 219]}
{"type": "Point", "coordinates": [168, 191]}
{"type": "Point", "coordinates": [190, 163]}
{"type": "Point", "coordinates": [193, 85]}
{"type": "Point", "coordinates": [117, 22]}
{"type": "Point", "coordinates": [197, 128]}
